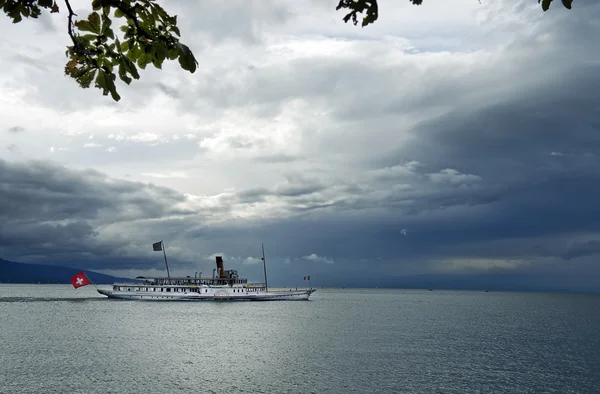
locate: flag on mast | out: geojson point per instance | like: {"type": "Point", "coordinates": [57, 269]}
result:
{"type": "Point", "coordinates": [307, 278]}
{"type": "Point", "coordinates": [157, 247]}
{"type": "Point", "coordinates": [80, 279]}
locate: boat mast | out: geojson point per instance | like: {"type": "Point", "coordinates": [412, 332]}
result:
{"type": "Point", "coordinates": [165, 254]}
{"type": "Point", "coordinates": [264, 265]}
{"type": "Point", "coordinates": [157, 247]}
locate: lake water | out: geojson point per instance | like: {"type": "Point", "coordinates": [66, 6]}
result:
{"type": "Point", "coordinates": [55, 339]}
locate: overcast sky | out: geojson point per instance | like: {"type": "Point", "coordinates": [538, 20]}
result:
{"type": "Point", "coordinates": [454, 139]}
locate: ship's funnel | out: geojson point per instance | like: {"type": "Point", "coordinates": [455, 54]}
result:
{"type": "Point", "coordinates": [220, 269]}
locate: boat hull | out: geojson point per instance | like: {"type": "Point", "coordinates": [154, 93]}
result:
{"type": "Point", "coordinates": [301, 295]}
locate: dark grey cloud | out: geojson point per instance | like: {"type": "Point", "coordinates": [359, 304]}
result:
{"type": "Point", "coordinates": [16, 129]}
{"type": "Point", "coordinates": [169, 91]}
{"type": "Point", "coordinates": [583, 249]}
{"type": "Point", "coordinates": [277, 158]}
{"type": "Point", "coordinates": [32, 62]}
{"type": "Point", "coordinates": [487, 160]}
{"type": "Point", "coordinates": [52, 213]}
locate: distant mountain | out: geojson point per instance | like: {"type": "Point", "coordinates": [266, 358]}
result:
{"type": "Point", "coordinates": [11, 272]}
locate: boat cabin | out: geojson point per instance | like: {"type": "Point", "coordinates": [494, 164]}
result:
{"type": "Point", "coordinates": [221, 278]}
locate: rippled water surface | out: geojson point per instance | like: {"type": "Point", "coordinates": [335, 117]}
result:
{"type": "Point", "coordinates": [55, 339]}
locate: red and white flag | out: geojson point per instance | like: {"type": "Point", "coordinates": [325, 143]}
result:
{"type": "Point", "coordinates": [80, 279]}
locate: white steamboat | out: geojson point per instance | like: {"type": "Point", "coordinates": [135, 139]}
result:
{"type": "Point", "coordinates": [224, 285]}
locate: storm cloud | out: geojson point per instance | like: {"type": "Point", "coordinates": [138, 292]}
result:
{"type": "Point", "coordinates": [449, 144]}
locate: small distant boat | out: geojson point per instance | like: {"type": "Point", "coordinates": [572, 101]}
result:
{"type": "Point", "coordinates": [224, 285]}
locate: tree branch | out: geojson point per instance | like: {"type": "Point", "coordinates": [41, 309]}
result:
{"type": "Point", "coordinates": [130, 13]}
{"type": "Point", "coordinates": [70, 26]}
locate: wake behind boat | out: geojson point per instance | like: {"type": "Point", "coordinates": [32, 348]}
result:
{"type": "Point", "coordinates": [224, 285]}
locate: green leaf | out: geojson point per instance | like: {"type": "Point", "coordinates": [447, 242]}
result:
{"type": "Point", "coordinates": [149, 57]}
{"type": "Point", "coordinates": [89, 37]}
{"type": "Point", "coordinates": [84, 26]}
{"type": "Point", "coordinates": [567, 3]}
{"type": "Point", "coordinates": [142, 61]}
{"type": "Point", "coordinates": [545, 4]}
{"type": "Point", "coordinates": [173, 53]}
{"type": "Point", "coordinates": [134, 52]}
{"type": "Point", "coordinates": [175, 30]}
{"type": "Point", "coordinates": [106, 82]}
{"type": "Point", "coordinates": [107, 63]}
{"type": "Point", "coordinates": [86, 79]}
{"type": "Point", "coordinates": [101, 81]}
{"type": "Point", "coordinates": [94, 20]}
{"type": "Point", "coordinates": [159, 11]}
{"type": "Point", "coordinates": [369, 7]}
{"type": "Point", "coordinates": [126, 67]}
{"type": "Point", "coordinates": [45, 3]}
{"type": "Point", "coordinates": [149, 17]}
{"type": "Point", "coordinates": [160, 54]}
{"type": "Point", "coordinates": [123, 74]}
{"type": "Point", "coordinates": [106, 22]}
{"type": "Point", "coordinates": [131, 68]}
{"type": "Point", "coordinates": [109, 33]}
{"type": "Point", "coordinates": [124, 46]}
{"type": "Point", "coordinates": [119, 13]}
{"type": "Point", "coordinates": [187, 61]}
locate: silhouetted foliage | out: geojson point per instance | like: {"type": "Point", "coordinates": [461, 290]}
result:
{"type": "Point", "coordinates": [148, 35]}
{"type": "Point", "coordinates": [371, 9]}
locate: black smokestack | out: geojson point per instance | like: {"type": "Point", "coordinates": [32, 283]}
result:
{"type": "Point", "coordinates": [220, 269]}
